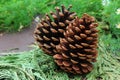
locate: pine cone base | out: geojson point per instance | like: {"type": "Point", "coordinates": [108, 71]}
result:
{"type": "Point", "coordinates": [72, 66]}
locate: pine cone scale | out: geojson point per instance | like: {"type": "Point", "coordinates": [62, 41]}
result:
{"type": "Point", "coordinates": [49, 31]}
{"type": "Point", "coordinates": [80, 39]}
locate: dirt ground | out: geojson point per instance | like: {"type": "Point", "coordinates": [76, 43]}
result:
{"type": "Point", "coordinates": [20, 41]}
{"type": "Point", "coordinates": [17, 42]}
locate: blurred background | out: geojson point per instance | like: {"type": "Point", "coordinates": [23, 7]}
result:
{"type": "Point", "coordinates": [21, 16]}
{"type": "Point", "coordinates": [18, 14]}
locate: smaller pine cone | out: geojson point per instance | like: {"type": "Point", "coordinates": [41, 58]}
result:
{"type": "Point", "coordinates": [50, 30]}
{"type": "Point", "coordinates": [78, 49]}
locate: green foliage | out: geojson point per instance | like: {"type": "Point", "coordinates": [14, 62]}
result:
{"type": "Point", "coordinates": [35, 65]}
{"type": "Point", "coordinates": [112, 17]}
{"type": "Point", "coordinates": [25, 66]}
{"type": "Point", "coordinates": [16, 14]}
{"type": "Point", "coordinates": [106, 67]}
{"type": "Point", "coordinates": [111, 44]}
{"type": "Point", "coordinates": [93, 7]}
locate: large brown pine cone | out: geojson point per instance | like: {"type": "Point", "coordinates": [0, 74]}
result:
{"type": "Point", "coordinates": [49, 31]}
{"type": "Point", "coordinates": [78, 48]}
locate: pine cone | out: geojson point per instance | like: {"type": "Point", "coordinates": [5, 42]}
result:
{"type": "Point", "coordinates": [50, 29]}
{"type": "Point", "coordinates": [78, 48]}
